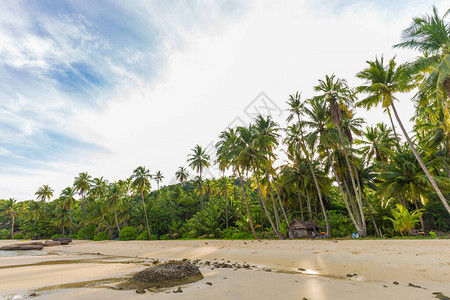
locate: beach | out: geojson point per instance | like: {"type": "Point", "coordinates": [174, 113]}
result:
{"type": "Point", "coordinates": [292, 269]}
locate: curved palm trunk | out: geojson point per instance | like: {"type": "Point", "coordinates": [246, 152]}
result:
{"type": "Point", "coordinates": [424, 168]}
{"type": "Point", "coordinates": [70, 220]}
{"type": "Point", "coordinates": [308, 204]}
{"type": "Point", "coordinates": [12, 225]}
{"type": "Point", "coordinates": [146, 217]}
{"type": "Point", "coordinates": [281, 203]}
{"type": "Point", "coordinates": [275, 209]}
{"type": "Point", "coordinates": [352, 202]}
{"type": "Point", "coordinates": [358, 228]}
{"type": "Point", "coordinates": [201, 192]}
{"type": "Point", "coordinates": [280, 236]}
{"type": "Point", "coordinates": [393, 126]}
{"type": "Point", "coordinates": [84, 208]}
{"type": "Point", "coordinates": [377, 231]}
{"type": "Point", "coordinates": [43, 200]}
{"type": "Point", "coordinates": [246, 205]}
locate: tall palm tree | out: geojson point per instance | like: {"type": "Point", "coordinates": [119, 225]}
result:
{"type": "Point", "coordinates": [44, 193]}
{"type": "Point", "coordinates": [198, 161]}
{"type": "Point", "coordinates": [81, 185]}
{"type": "Point", "coordinates": [430, 34]}
{"type": "Point", "coordinates": [182, 174]}
{"type": "Point", "coordinates": [115, 199]}
{"type": "Point", "coordinates": [11, 208]}
{"type": "Point", "coordinates": [336, 92]}
{"type": "Point", "coordinates": [377, 143]}
{"type": "Point", "coordinates": [381, 82]}
{"type": "Point", "coordinates": [296, 108]}
{"type": "Point", "coordinates": [228, 151]}
{"type": "Point", "coordinates": [158, 177]}
{"type": "Point", "coordinates": [141, 184]}
{"type": "Point", "coordinates": [67, 196]}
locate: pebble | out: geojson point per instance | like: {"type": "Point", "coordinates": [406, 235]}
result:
{"type": "Point", "coordinates": [395, 282]}
{"type": "Point", "coordinates": [209, 283]}
{"type": "Point", "coordinates": [179, 290]}
{"type": "Point", "coordinates": [140, 291]}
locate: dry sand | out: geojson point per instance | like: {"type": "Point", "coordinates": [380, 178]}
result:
{"type": "Point", "coordinates": [302, 268]}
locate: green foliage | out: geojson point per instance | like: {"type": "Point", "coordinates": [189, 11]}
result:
{"type": "Point", "coordinates": [143, 236]}
{"type": "Point", "coordinates": [233, 233]}
{"type": "Point", "coordinates": [128, 233]}
{"type": "Point", "coordinates": [433, 235]}
{"type": "Point", "coordinates": [4, 234]}
{"type": "Point", "coordinates": [403, 220]}
{"type": "Point", "coordinates": [19, 236]}
{"type": "Point", "coordinates": [436, 216]}
{"type": "Point", "coordinates": [207, 222]}
{"type": "Point", "coordinates": [165, 237]}
{"type": "Point", "coordinates": [73, 236]}
{"type": "Point", "coordinates": [87, 233]}
{"type": "Point", "coordinates": [340, 224]}
{"type": "Point", "coordinates": [58, 235]}
{"type": "Point", "coordinates": [101, 236]}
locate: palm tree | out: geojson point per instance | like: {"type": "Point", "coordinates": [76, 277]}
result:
{"type": "Point", "coordinates": [81, 185]}
{"type": "Point", "coordinates": [44, 193]}
{"type": "Point", "coordinates": [228, 151]}
{"type": "Point", "coordinates": [158, 177]}
{"type": "Point", "coordinates": [115, 199]}
{"type": "Point", "coordinates": [430, 34]}
{"type": "Point", "coordinates": [336, 92]}
{"type": "Point", "coordinates": [67, 196]}
{"type": "Point", "coordinates": [377, 143]}
{"type": "Point", "coordinates": [141, 184]}
{"type": "Point", "coordinates": [182, 174]}
{"type": "Point", "coordinates": [403, 219]}
{"type": "Point", "coordinates": [198, 161]}
{"type": "Point", "coordinates": [11, 208]}
{"type": "Point", "coordinates": [381, 83]}
{"type": "Point", "coordinates": [296, 108]}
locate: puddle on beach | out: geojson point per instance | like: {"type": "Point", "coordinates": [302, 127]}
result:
{"type": "Point", "coordinates": [21, 253]}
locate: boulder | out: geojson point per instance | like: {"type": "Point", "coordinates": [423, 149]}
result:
{"type": "Point", "coordinates": [17, 247]}
{"type": "Point", "coordinates": [168, 274]}
{"type": "Point", "coordinates": [52, 243]}
{"type": "Point", "coordinates": [63, 240]}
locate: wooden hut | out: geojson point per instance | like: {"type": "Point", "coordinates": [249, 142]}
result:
{"type": "Point", "coordinates": [299, 229]}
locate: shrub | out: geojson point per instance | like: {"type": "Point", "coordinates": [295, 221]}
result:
{"type": "Point", "coordinates": [4, 234]}
{"type": "Point", "coordinates": [101, 236]}
{"type": "Point", "coordinates": [57, 235]}
{"type": "Point", "coordinates": [243, 236]}
{"type": "Point", "coordinates": [73, 236]}
{"type": "Point", "coordinates": [165, 237]}
{"type": "Point", "coordinates": [128, 233]}
{"type": "Point", "coordinates": [144, 236]}
{"type": "Point", "coordinates": [433, 235]}
{"type": "Point", "coordinates": [19, 236]}
{"type": "Point", "coordinates": [87, 233]}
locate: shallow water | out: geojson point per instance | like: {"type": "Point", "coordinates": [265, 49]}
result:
{"type": "Point", "coordinates": [21, 253]}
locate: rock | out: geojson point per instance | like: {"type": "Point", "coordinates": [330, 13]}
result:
{"type": "Point", "coordinates": [349, 275]}
{"type": "Point", "coordinates": [179, 290]}
{"type": "Point", "coordinates": [413, 285]}
{"type": "Point", "coordinates": [395, 282]}
{"type": "Point", "coordinates": [439, 295]}
{"type": "Point", "coordinates": [209, 283]}
{"type": "Point", "coordinates": [52, 243]}
{"type": "Point", "coordinates": [167, 274]}
{"type": "Point", "coordinates": [32, 295]}
{"type": "Point", "coordinates": [63, 240]}
{"type": "Point", "coordinates": [22, 247]}
{"type": "Point", "coordinates": [268, 270]}
{"type": "Point", "coordinates": [301, 269]}
{"type": "Point", "coordinates": [140, 291]}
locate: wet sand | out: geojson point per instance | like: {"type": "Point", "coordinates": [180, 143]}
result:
{"type": "Point", "coordinates": [347, 269]}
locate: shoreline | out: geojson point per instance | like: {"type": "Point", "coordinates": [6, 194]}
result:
{"type": "Point", "coordinates": [300, 268]}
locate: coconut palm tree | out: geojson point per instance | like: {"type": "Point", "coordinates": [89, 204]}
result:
{"type": "Point", "coordinates": [228, 151]}
{"type": "Point", "coordinates": [44, 193]}
{"type": "Point", "coordinates": [430, 34]}
{"type": "Point", "coordinates": [81, 185]}
{"type": "Point", "coordinates": [114, 202]}
{"type": "Point", "coordinates": [158, 177]}
{"type": "Point", "coordinates": [141, 183]}
{"type": "Point", "coordinates": [198, 161]}
{"type": "Point", "coordinates": [182, 174]}
{"type": "Point", "coordinates": [296, 107]}
{"type": "Point", "coordinates": [377, 143]}
{"type": "Point", "coordinates": [67, 197]}
{"type": "Point", "coordinates": [381, 83]}
{"type": "Point", "coordinates": [11, 208]}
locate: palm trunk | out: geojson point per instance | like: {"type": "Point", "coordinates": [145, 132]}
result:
{"type": "Point", "coordinates": [146, 217]}
{"type": "Point", "coordinates": [308, 204]}
{"type": "Point", "coordinates": [280, 236]}
{"type": "Point", "coordinates": [226, 199]}
{"type": "Point", "coordinates": [393, 126]}
{"type": "Point", "coordinates": [422, 223]}
{"type": "Point", "coordinates": [343, 194]}
{"type": "Point", "coordinates": [300, 203]}
{"type": "Point", "coordinates": [352, 202]}
{"type": "Point", "coordinates": [377, 231]}
{"type": "Point", "coordinates": [44, 208]}
{"type": "Point", "coordinates": [117, 222]}
{"type": "Point", "coordinates": [424, 168]}
{"type": "Point", "coordinates": [246, 205]}
{"type": "Point", "coordinates": [84, 208]}
{"type": "Point", "coordinates": [201, 192]}
{"type": "Point", "coordinates": [352, 177]}
{"type": "Point", "coordinates": [70, 220]}
{"type": "Point", "coordinates": [12, 225]}
{"type": "Point", "coordinates": [275, 209]}
{"type": "Point", "coordinates": [281, 203]}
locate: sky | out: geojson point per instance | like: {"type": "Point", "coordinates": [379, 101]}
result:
{"type": "Point", "coordinates": [106, 86]}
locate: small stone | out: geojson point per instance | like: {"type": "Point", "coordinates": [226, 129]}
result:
{"type": "Point", "coordinates": [349, 275]}
{"type": "Point", "coordinates": [206, 243]}
{"type": "Point", "coordinates": [304, 298]}
{"type": "Point", "coordinates": [225, 278]}
{"type": "Point", "coordinates": [413, 285]}
{"type": "Point", "coordinates": [209, 283]}
{"type": "Point", "coordinates": [140, 291]}
{"type": "Point", "coordinates": [395, 282]}
{"type": "Point", "coordinates": [179, 290]}
{"type": "Point", "coordinates": [245, 243]}
{"type": "Point", "coordinates": [268, 270]}
{"type": "Point", "coordinates": [301, 269]}
{"type": "Point", "coordinates": [385, 286]}
{"type": "Point", "coordinates": [32, 295]}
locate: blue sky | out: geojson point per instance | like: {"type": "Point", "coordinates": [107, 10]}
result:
{"type": "Point", "coordinates": [105, 86]}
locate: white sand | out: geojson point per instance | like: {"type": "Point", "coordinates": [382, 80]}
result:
{"type": "Point", "coordinates": [377, 264]}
